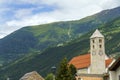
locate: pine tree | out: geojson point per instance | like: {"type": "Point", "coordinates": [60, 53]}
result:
{"type": "Point", "coordinates": [72, 71]}
{"type": "Point", "coordinates": [49, 77]}
{"type": "Point", "coordinates": [65, 71]}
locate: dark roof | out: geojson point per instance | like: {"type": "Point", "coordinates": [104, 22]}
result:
{"type": "Point", "coordinates": [115, 65]}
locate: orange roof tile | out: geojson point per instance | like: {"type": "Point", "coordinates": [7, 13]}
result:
{"type": "Point", "coordinates": [108, 61]}
{"type": "Point", "coordinates": [83, 61]}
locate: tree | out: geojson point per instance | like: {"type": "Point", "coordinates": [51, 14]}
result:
{"type": "Point", "coordinates": [49, 77]}
{"type": "Point", "coordinates": [72, 71]}
{"type": "Point", "coordinates": [65, 71]}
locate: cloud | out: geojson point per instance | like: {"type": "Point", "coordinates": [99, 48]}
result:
{"type": "Point", "coordinates": [108, 4]}
{"type": "Point", "coordinates": [33, 12]}
{"type": "Point", "coordinates": [23, 13]}
{"type": "Point", "coordinates": [34, 20]}
{"type": "Point", "coordinates": [2, 34]}
{"type": "Point", "coordinates": [4, 31]}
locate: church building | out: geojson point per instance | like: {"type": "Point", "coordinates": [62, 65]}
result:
{"type": "Point", "coordinates": [93, 65]}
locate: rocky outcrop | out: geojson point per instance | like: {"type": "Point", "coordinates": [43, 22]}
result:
{"type": "Point", "coordinates": [32, 76]}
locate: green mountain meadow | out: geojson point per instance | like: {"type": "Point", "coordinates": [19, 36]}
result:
{"type": "Point", "coordinates": [35, 39]}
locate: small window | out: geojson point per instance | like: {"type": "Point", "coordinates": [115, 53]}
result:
{"type": "Point", "coordinates": [93, 46]}
{"type": "Point", "coordinates": [119, 77]}
{"type": "Point", "coordinates": [100, 40]}
{"type": "Point", "coordinates": [93, 41]}
{"type": "Point", "coordinates": [100, 46]}
{"type": "Point", "coordinates": [80, 79]}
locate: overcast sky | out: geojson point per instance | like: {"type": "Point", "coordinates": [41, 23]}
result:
{"type": "Point", "coordinates": [15, 14]}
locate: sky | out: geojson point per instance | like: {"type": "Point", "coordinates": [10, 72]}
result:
{"type": "Point", "coordinates": [15, 14]}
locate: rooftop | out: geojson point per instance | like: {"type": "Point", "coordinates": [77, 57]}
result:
{"type": "Point", "coordinates": [96, 34]}
{"type": "Point", "coordinates": [115, 65]}
{"type": "Point", "coordinates": [83, 61]}
{"type": "Point", "coordinates": [32, 76]}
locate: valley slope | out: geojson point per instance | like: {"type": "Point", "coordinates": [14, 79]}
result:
{"type": "Point", "coordinates": [43, 62]}
{"type": "Point", "coordinates": [35, 39]}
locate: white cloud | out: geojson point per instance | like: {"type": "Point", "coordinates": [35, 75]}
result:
{"type": "Point", "coordinates": [65, 10]}
{"type": "Point", "coordinates": [20, 1]}
{"type": "Point", "coordinates": [2, 34]}
{"type": "Point", "coordinates": [34, 20]}
{"type": "Point", "coordinates": [23, 13]}
{"type": "Point", "coordinates": [108, 4]}
{"type": "Point", "coordinates": [5, 30]}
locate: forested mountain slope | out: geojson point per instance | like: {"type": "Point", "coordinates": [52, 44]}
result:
{"type": "Point", "coordinates": [35, 39]}
{"type": "Point", "coordinates": [52, 56]}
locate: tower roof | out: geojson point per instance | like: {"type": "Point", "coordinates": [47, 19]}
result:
{"type": "Point", "coordinates": [96, 34]}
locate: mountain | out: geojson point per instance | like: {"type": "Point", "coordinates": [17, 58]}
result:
{"type": "Point", "coordinates": [43, 62]}
{"type": "Point", "coordinates": [35, 39]}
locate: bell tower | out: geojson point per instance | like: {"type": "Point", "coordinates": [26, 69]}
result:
{"type": "Point", "coordinates": [97, 52]}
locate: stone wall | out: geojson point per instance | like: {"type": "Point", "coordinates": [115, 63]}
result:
{"type": "Point", "coordinates": [114, 75]}
{"type": "Point", "coordinates": [89, 77]}
{"type": "Point", "coordinates": [81, 71]}
{"type": "Point", "coordinates": [97, 50]}
{"type": "Point", "coordinates": [118, 73]}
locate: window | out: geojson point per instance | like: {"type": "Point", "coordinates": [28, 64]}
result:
{"type": "Point", "coordinates": [80, 79]}
{"type": "Point", "coordinates": [100, 46]}
{"type": "Point", "coordinates": [93, 41]}
{"type": "Point", "coordinates": [100, 40]}
{"type": "Point", "coordinates": [93, 46]}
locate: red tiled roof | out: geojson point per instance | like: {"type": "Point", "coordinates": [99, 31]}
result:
{"type": "Point", "coordinates": [108, 61]}
{"type": "Point", "coordinates": [83, 61]}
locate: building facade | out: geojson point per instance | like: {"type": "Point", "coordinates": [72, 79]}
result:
{"type": "Point", "coordinates": [93, 65]}
{"type": "Point", "coordinates": [114, 70]}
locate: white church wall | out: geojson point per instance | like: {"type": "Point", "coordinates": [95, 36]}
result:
{"type": "Point", "coordinates": [118, 73]}
{"type": "Point", "coordinates": [82, 71]}
{"type": "Point", "coordinates": [88, 69]}
{"type": "Point", "coordinates": [112, 75]}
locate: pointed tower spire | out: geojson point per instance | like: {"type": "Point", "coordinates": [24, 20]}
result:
{"type": "Point", "coordinates": [96, 34]}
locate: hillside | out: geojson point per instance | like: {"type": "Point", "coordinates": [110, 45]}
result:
{"type": "Point", "coordinates": [51, 56]}
{"type": "Point", "coordinates": [35, 39]}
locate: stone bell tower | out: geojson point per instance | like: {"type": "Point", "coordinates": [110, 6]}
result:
{"type": "Point", "coordinates": [97, 52]}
